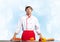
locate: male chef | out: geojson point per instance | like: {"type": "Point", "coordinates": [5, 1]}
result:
{"type": "Point", "coordinates": [28, 24]}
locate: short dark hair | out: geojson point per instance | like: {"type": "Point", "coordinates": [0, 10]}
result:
{"type": "Point", "coordinates": [28, 7]}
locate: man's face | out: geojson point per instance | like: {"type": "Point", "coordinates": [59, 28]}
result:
{"type": "Point", "coordinates": [28, 11]}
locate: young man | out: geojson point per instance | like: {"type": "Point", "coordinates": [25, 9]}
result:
{"type": "Point", "coordinates": [28, 23]}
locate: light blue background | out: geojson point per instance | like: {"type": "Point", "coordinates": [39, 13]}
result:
{"type": "Point", "coordinates": [47, 12]}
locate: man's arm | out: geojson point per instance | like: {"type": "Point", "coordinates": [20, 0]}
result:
{"type": "Point", "coordinates": [40, 35]}
{"type": "Point", "coordinates": [19, 28]}
{"type": "Point", "coordinates": [37, 27]}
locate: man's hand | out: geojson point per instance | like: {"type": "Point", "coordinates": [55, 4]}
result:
{"type": "Point", "coordinates": [14, 36]}
{"type": "Point", "coordinates": [40, 37]}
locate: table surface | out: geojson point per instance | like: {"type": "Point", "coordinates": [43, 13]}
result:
{"type": "Point", "coordinates": [27, 41]}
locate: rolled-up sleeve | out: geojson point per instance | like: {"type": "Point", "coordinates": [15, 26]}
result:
{"type": "Point", "coordinates": [19, 26]}
{"type": "Point", "coordinates": [37, 26]}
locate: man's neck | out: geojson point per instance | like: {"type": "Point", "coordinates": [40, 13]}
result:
{"type": "Point", "coordinates": [29, 15]}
